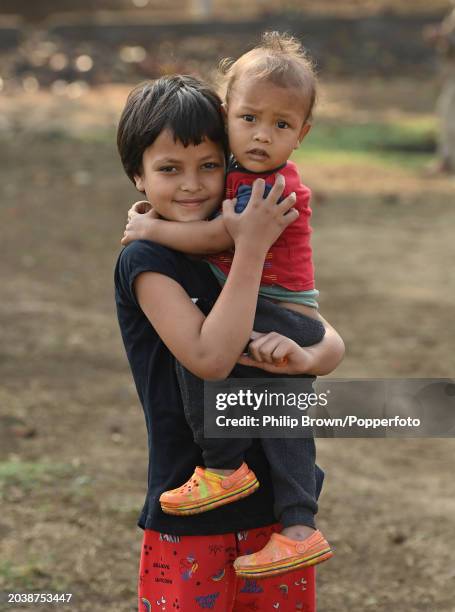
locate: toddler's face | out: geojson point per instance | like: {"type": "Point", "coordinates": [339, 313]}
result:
{"type": "Point", "coordinates": [265, 123]}
{"type": "Point", "coordinates": [182, 183]}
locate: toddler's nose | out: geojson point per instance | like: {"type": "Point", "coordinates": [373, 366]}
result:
{"type": "Point", "coordinates": [263, 136]}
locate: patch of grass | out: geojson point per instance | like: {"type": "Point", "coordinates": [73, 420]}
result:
{"type": "Point", "coordinates": [409, 143]}
{"type": "Point", "coordinates": [26, 474]}
{"type": "Point", "coordinates": [6, 571]}
{"type": "Point", "coordinates": [124, 506]}
{"type": "Point", "coordinates": [98, 135]}
{"type": "Point", "coordinates": [34, 574]}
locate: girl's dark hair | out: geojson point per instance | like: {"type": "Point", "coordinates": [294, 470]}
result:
{"type": "Point", "coordinates": [189, 108]}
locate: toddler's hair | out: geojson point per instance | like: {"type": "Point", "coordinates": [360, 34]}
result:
{"type": "Point", "coordinates": [189, 108]}
{"type": "Point", "coordinates": [280, 59]}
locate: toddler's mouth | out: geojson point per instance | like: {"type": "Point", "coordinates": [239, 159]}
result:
{"type": "Point", "coordinates": [258, 154]}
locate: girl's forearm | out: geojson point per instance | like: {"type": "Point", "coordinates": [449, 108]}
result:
{"type": "Point", "coordinates": [327, 354]}
{"type": "Point", "coordinates": [226, 330]}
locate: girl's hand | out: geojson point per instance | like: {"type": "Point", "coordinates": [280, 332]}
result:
{"type": "Point", "coordinates": [263, 220]}
{"type": "Point", "coordinates": [140, 225]}
{"type": "Point", "coordinates": [139, 208]}
{"type": "Point", "coordinates": [277, 354]}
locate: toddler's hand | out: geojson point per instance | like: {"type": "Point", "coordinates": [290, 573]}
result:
{"type": "Point", "coordinates": [140, 224]}
{"type": "Point", "coordinates": [263, 220]}
{"type": "Point", "coordinates": [277, 354]}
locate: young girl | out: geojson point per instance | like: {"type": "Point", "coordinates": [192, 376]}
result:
{"type": "Point", "coordinates": [171, 138]}
{"type": "Point", "coordinates": [270, 94]}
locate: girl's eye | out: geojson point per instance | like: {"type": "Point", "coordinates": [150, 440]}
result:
{"type": "Point", "coordinates": [249, 118]}
{"type": "Point", "coordinates": [211, 165]}
{"type": "Point", "coordinates": [282, 124]}
{"type": "Point", "coordinates": [168, 169]}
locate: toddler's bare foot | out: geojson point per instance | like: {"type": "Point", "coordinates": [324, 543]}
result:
{"type": "Point", "coordinates": [298, 532]}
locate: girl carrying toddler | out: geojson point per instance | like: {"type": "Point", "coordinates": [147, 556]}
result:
{"type": "Point", "coordinates": [269, 98]}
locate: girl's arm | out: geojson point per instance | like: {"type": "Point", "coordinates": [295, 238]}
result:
{"type": "Point", "coordinates": [209, 347]}
{"type": "Point", "coordinates": [325, 356]}
{"type": "Point", "coordinates": [193, 237]}
{"type": "Point", "coordinates": [328, 353]}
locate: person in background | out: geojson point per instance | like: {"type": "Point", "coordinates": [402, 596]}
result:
{"type": "Point", "coordinates": [442, 37]}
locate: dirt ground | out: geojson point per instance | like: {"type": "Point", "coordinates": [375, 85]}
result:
{"type": "Point", "coordinates": [72, 436]}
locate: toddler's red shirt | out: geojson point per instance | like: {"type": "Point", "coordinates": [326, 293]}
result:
{"type": "Point", "coordinates": [289, 262]}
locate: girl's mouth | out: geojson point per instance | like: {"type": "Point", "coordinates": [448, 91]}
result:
{"type": "Point", "coordinates": [191, 202]}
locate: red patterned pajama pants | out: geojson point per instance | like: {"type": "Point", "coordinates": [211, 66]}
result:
{"type": "Point", "coordinates": [191, 573]}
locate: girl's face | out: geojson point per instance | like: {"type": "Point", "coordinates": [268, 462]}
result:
{"type": "Point", "coordinates": [265, 123]}
{"type": "Point", "coordinates": [182, 183]}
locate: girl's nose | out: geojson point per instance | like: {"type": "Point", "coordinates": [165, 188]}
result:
{"type": "Point", "coordinates": [190, 183]}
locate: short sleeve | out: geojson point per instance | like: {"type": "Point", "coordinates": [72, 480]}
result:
{"type": "Point", "coordinates": [143, 256]}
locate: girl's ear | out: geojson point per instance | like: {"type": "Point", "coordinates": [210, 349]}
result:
{"type": "Point", "coordinates": [306, 127]}
{"type": "Point", "coordinates": [139, 182]}
{"type": "Point", "coordinates": [224, 110]}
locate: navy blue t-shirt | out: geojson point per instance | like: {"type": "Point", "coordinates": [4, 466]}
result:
{"type": "Point", "coordinates": [173, 454]}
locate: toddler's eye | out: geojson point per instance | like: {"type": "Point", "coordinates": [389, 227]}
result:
{"type": "Point", "coordinates": [168, 169]}
{"type": "Point", "coordinates": [249, 118]}
{"type": "Point", "coordinates": [282, 124]}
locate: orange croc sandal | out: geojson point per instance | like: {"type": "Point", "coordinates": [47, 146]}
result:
{"type": "Point", "coordinates": [281, 554]}
{"type": "Point", "coordinates": [206, 490]}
